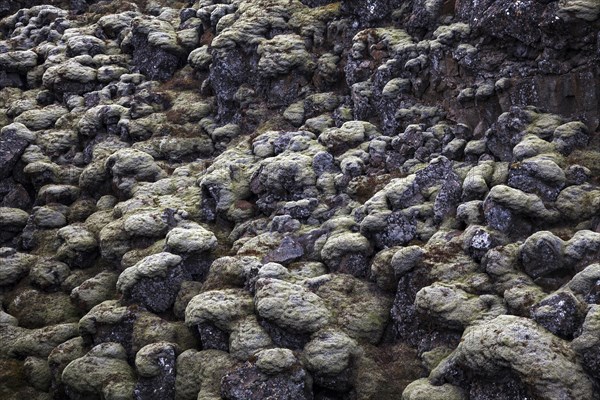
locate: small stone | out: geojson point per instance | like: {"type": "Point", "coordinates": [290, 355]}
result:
{"type": "Point", "coordinates": [406, 259]}
{"type": "Point", "coordinates": [542, 254]}
{"type": "Point", "coordinates": [283, 54]}
{"type": "Point", "coordinates": [561, 313]}
{"type": "Point", "coordinates": [79, 246]}
{"type": "Point", "coordinates": [194, 239]}
{"type": "Point", "coordinates": [587, 344]}
{"type": "Point", "coordinates": [13, 219]}
{"type": "Point", "coordinates": [41, 119]}
{"type": "Point", "coordinates": [146, 224]}
{"type": "Point", "coordinates": [18, 60]}
{"type": "Point", "coordinates": [14, 266]}
{"type": "Point", "coordinates": [274, 361]}
{"type": "Point", "coordinates": [329, 353]}
{"type": "Point", "coordinates": [290, 306]}
{"type": "Point", "coordinates": [38, 373]}
{"type": "Point", "coordinates": [49, 275]}
{"type": "Point", "coordinates": [95, 290]}
{"type": "Point", "coordinates": [45, 217]}
{"type": "Point", "coordinates": [223, 308]}
{"type": "Point", "coordinates": [247, 338]}
{"type": "Point", "coordinates": [12, 147]}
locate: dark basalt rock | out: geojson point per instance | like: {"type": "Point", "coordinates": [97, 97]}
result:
{"type": "Point", "coordinates": [593, 296]}
{"type": "Point", "coordinates": [506, 133]}
{"type": "Point", "coordinates": [317, 3]}
{"type": "Point", "coordinates": [355, 264]}
{"type": "Point", "coordinates": [525, 177]}
{"type": "Point", "coordinates": [407, 326]}
{"type": "Point", "coordinates": [196, 266]}
{"type": "Point", "coordinates": [248, 383]}
{"type": "Point", "coordinates": [505, 19]}
{"type": "Point", "coordinates": [157, 294]}
{"type": "Point", "coordinates": [398, 230]}
{"type": "Point", "coordinates": [369, 11]}
{"type": "Point", "coordinates": [228, 71]}
{"type": "Point", "coordinates": [448, 198]}
{"type": "Point", "coordinates": [506, 386]}
{"type": "Point", "coordinates": [156, 64]}
{"type": "Point", "coordinates": [284, 338]}
{"type": "Point", "coordinates": [11, 149]}
{"type": "Point", "coordinates": [541, 254]}
{"type": "Point", "coordinates": [561, 313]}
{"type": "Point", "coordinates": [120, 332]}
{"type": "Point", "coordinates": [212, 337]}
{"type": "Point", "coordinates": [161, 386]}
{"type": "Point", "coordinates": [339, 384]}
{"type": "Point", "coordinates": [14, 195]}
{"type": "Point", "coordinates": [288, 251]}
{"type": "Point", "coordinates": [591, 360]}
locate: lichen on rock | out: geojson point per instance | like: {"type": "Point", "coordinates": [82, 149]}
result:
{"type": "Point", "coordinates": [299, 199]}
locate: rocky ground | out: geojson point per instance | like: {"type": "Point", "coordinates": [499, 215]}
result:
{"type": "Point", "coordinates": [300, 199]}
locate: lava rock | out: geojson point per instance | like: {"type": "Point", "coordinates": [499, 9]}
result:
{"type": "Point", "coordinates": [158, 273]}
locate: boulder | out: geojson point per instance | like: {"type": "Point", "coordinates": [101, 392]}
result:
{"type": "Point", "coordinates": [546, 364]}
{"type": "Point", "coordinates": [156, 274]}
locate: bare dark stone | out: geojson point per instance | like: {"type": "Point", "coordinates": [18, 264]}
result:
{"type": "Point", "coordinates": [502, 219]}
{"type": "Point", "coordinates": [398, 230]}
{"type": "Point", "coordinates": [14, 195]}
{"type": "Point", "coordinates": [504, 386]}
{"type": "Point", "coordinates": [340, 383]}
{"type": "Point", "coordinates": [404, 314]}
{"type": "Point", "coordinates": [153, 62]}
{"type": "Point", "coordinates": [323, 162]}
{"type": "Point", "coordinates": [505, 20]}
{"type": "Point", "coordinates": [11, 149]}
{"type": "Point", "coordinates": [317, 3]}
{"type": "Point", "coordinates": [435, 173]}
{"type": "Point", "coordinates": [356, 264]}
{"type": "Point", "coordinates": [249, 383]}
{"type": "Point", "coordinates": [212, 337]}
{"type": "Point", "coordinates": [524, 177]}
{"type": "Point", "coordinates": [161, 386]}
{"type": "Point", "coordinates": [561, 313]}
{"type": "Point", "coordinates": [10, 79]}
{"type": "Point", "coordinates": [120, 332]}
{"type": "Point", "coordinates": [371, 10]}
{"type": "Point", "coordinates": [448, 198]}
{"type": "Point", "coordinates": [228, 72]}
{"type": "Point", "coordinates": [480, 244]}
{"type": "Point", "coordinates": [591, 360]}
{"type": "Point", "coordinates": [288, 251]}
{"type": "Point", "coordinates": [284, 338]}
{"type": "Point", "coordinates": [196, 266]}
{"type": "Point", "coordinates": [593, 296]}
{"type": "Point", "coordinates": [542, 254]}
{"type": "Point", "coordinates": [506, 133]}
{"type": "Point", "coordinates": [157, 294]}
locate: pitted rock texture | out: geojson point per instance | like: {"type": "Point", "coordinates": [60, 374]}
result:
{"type": "Point", "coordinates": [299, 199]}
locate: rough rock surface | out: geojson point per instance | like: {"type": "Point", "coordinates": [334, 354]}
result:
{"type": "Point", "coordinates": [299, 199]}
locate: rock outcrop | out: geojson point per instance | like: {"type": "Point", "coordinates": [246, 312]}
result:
{"type": "Point", "coordinates": [299, 199]}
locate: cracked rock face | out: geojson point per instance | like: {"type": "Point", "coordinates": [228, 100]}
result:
{"type": "Point", "coordinates": [299, 199]}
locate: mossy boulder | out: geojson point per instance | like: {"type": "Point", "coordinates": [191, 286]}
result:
{"type": "Point", "coordinates": [290, 306]}
{"type": "Point", "coordinates": [103, 371]}
{"type": "Point", "coordinates": [547, 365]}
